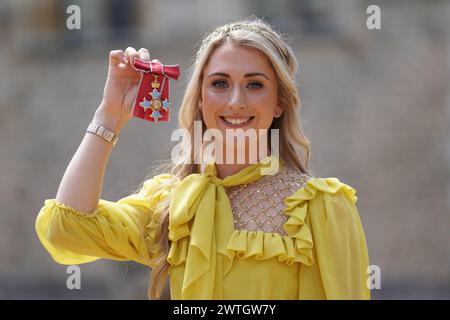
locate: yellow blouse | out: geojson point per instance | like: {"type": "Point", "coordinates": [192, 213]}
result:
{"type": "Point", "coordinates": [323, 256]}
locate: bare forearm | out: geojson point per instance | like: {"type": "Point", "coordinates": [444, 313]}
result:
{"type": "Point", "coordinates": [82, 183]}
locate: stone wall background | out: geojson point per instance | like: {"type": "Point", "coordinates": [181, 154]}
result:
{"type": "Point", "coordinates": [375, 105]}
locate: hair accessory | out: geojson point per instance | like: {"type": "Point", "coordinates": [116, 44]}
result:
{"type": "Point", "coordinates": [152, 100]}
{"type": "Point", "coordinates": [226, 30]}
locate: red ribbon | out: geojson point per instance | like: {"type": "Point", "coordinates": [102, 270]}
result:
{"type": "Point", "coordinates": [156, 67]}
{"type": "Point", "coordinates": [150, 105]}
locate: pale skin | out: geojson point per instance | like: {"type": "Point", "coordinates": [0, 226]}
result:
{"type": "Point", "coordinates": [121, 87]}
{"type": "Point", "coordinates": [238, 82]}
{"type": "Point", "coordinates": [232, 93]}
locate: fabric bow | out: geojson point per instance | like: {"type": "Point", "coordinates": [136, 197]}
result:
{"type": "Point", "coordinates": [156, 67]}
{"type": "Point", "coordinates": [202, 195]}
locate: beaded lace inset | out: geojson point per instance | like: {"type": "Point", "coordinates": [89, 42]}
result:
{"type": "Point", "coordinates": [258, 206]}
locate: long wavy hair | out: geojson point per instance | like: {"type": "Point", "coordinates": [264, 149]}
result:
{"type": "Point", "coordinates": [294, 146]}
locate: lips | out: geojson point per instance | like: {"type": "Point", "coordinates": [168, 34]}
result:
{"type": "Point", "coordinates": [237, 121]}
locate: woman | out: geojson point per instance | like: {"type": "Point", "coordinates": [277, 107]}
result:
{"type": "Point", "coordinates": [219, 230]}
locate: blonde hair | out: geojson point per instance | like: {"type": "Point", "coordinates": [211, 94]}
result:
{"type": "Point", "coordinates": [251, 33]}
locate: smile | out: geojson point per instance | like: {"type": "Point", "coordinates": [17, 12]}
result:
{"type": "Point", "coordinates": [237, 122]}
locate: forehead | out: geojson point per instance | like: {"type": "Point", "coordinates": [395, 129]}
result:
{"type": "Point", "coordinates": [233, 59]}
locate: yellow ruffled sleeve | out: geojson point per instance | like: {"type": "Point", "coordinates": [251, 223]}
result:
{"type": "Point", "coordinates": [122, 230]}
{"type": "Point", "coordinates": [339, 244]}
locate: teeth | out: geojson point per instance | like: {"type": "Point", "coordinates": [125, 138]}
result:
{"type": "Point", "coordinates": [236, 121]}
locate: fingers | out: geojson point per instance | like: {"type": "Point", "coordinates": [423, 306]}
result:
{"type": "Point", "coordinates": [144, 54]}
{"type": "Point", "coordinates": [116, 57]}
{"type": "Point", "coordinates": [130, 54]}
{"type": "Point", "coordinates": [127, 56]}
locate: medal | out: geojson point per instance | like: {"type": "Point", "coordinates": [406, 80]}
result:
{"type": "Point", "coordinates": [152, 101]}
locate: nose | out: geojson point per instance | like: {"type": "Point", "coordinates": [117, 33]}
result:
{"type": "Point", "coordinates": [237, 99]}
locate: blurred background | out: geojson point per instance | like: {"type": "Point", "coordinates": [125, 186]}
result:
{"type": "Point", "coordinates": [375, 105]}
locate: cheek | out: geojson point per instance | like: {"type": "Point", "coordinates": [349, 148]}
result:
{"type": "Point", "coordinates": [214, 100]}
{"type": "Point", "coordinates": [212, 103]}
{"type": "Point", "coordinates": [265, 105]}
{"type": "Point", "coordinates": [265, 118]}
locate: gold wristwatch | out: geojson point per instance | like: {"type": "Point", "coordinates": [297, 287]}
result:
{"type": "Point", "coordinates": [103, 132]}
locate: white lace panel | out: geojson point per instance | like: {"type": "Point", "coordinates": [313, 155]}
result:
{"type": "Point", "coordinates": [258, 206]}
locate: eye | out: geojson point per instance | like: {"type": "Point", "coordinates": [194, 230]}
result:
{"type": "Point", "coordinates": [219, 83]}
{"type": "Point", "coordinates": [255, 85]}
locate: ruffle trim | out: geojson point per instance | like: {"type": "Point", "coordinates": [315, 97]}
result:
{"type": "Point", "coordinates": [308, 192]}
{"type": "Point", "coordinates": [263, 245]}
{"type": "Point", "coordinates": [294, 247]}
{"type": "Point", "coordinates": [54, 204]}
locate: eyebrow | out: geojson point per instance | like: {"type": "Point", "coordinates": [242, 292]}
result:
{"type": "Point", "coordinates": [252, 74]}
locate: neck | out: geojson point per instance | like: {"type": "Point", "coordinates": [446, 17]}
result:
{"type": "Point", "coordinates": [224, 169]}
